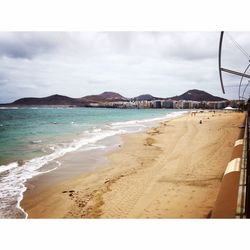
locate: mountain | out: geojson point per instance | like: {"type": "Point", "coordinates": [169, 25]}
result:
{"type": "Point", "coordinates": [50, 100]}
{"type": "Point", "coordinates": [145, 97]}
{"type": "Point", "coordinates": [65, 100]}
{"type": "Point", "coordinates": [197, 95]}
{"type": "Point", "coordinates": [104, 97]}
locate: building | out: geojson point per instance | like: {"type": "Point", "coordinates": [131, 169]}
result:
{"type": "Point", "coordinates": [156, 104]}
{"type": "Point", "coordinates": [195, 105]}
{"type": "Point", "coordinates": [221, 105]}
{"type": "Point", "coordinates": [167, 104]}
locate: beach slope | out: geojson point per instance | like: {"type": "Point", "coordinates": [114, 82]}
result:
{"type": "Point", "coordinates": [170, 171]}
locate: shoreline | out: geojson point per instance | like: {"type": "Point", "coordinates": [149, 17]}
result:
{"type": "Point", "coordinates": [70, 155]}
{"type": "Point", "coordinates": [128, 186]}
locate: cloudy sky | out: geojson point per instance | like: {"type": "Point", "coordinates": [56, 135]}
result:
{"type": "Point", "coordinates": [132, 63]}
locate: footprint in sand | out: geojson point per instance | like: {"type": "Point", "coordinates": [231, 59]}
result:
{"type": "Point", "coordinates": [149, 141]}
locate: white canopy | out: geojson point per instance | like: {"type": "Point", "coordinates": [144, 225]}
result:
{"type": "Point", "coordinates": [229, 108]}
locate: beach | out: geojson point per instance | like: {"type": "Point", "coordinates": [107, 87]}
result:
{"type": "Point", "coordinates": [173, 170]}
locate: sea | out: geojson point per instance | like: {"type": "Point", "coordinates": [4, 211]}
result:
{"type": "Point", "coordinates": [35, 140]}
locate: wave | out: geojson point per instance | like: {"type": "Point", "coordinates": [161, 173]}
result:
{"type": "Point", "coordinates": [13, 176]}
{"type": "Point", "coordinates": [96, 130]}
{"type": "Point", "coordinates": [9, 107]}
{"type": "Point", "coordinates": [144, 122]}
{"type": "Point", "coordinates": [4, 168]}
{"type": "Point", "coordinates": [36, 141]}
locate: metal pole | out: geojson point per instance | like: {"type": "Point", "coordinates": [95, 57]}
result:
{"type": "Point", "coordinates": [248, 164]}
{"type": "Point", "coordinates": [235, 72]}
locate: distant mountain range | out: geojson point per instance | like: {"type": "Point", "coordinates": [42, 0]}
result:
{"type": "Point", "coordinates": [192, 95]}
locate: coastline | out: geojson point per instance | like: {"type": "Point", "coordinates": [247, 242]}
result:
{"type": "Point", "coordinates": [74, 141]}
{"type": "Point", "coordinates": [170, 171]}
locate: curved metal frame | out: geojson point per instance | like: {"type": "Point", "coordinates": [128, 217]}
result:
{"type": "Point", "coordinates": [241, 82]}
{"type": "Point", "coordinates": [244, 98]}
{"type": "Point", "coordinates": [245, 90]}
{"type": "Point", "coordinates": [229, 70]}
{"type": "Point", "coordinates": [220, 71]}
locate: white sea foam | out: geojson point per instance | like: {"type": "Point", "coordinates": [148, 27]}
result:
{"type": "Point", "coordinates": [96, 130]}
{"type": "Point", "coordinates": [145, 122]}
{"type": "Point", "coordinates": [91, 147]}
{"type": "Point", "coordinates": [14, 176]}
{"type": "Point", "coordinates": [9, 108]}
{"type": "Point", "coordinates": [4, 168]}
{"type": "Point", "coordinates": [36, 141]}
{"type": "Point", "coordinates": [52, 147]}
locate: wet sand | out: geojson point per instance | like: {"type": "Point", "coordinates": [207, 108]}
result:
{"type": "Point", "coordinates": [170, 171]}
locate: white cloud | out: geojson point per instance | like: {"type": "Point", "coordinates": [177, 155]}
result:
{"type": "Point", "coordinates": [131, 63]}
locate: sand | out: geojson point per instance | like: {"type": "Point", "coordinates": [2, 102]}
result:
{"type": "Point", "coordinates": [170, 171]}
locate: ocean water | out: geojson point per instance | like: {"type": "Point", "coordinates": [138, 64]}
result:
{"type": "Point", "coordinates": [32, 138]}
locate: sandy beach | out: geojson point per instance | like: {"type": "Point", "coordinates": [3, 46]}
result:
{"type": "Point", "coordinates": [170, 171]}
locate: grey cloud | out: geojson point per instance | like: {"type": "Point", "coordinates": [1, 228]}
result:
{"type": "Point", "coordinates": [27, 45]}
{"type": "Point", "coordinates": [192, 45]}
{"type": "Point", "coordinates": [96, 81]}
{"type": "Point", "coordinates": [3, 79]}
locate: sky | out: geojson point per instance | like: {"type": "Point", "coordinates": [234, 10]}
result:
{"type": "Point", "coordinates": [164, 64]}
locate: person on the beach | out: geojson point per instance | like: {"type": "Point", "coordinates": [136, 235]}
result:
{"type": "Point", "coordinates": [193, 113]}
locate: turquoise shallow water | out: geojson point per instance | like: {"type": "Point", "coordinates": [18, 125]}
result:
{"type": "Point", "coordinates": [25, 132]}
{"type": "Point", "coordinates": [31, 139]}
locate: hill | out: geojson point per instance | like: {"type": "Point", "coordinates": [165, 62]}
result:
{"type": "Point", "coordinates": [197, 95]}
{"type": "Point", "coordinates": [50, 100]}
{"type": "Point", "coordinates": [145, 97]}
{"type": "Point", "coordinates": [104, 97]}
{"type": "Point", "coordinates": [65, 100]}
